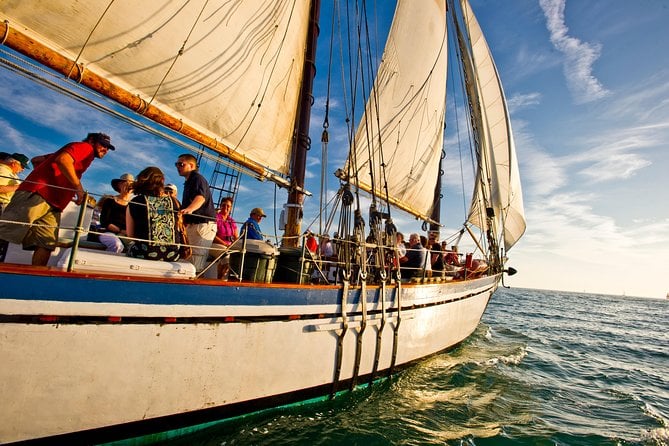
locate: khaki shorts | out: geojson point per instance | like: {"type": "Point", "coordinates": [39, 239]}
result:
{"type": "Point", "coordinates": [35, 221]}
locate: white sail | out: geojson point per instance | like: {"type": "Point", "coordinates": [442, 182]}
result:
{"type": "Point", "coordinates": [496, 139]}
{"type": "Point", "coordinates": [403, 121]}
{"type": "Point", "coordinates": [229, 69]}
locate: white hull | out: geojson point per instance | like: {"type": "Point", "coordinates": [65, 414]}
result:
{"type": "Point", "coordinates": [85, 371]}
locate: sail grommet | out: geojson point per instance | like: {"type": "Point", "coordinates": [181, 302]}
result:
{"type": "Point", "coordinates": [6, 33]}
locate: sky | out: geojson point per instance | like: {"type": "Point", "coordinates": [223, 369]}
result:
{"type": "Point", "coordinates": [587, 84]}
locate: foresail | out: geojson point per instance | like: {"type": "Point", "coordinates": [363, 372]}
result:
{"type": "Point", "coordinates": [403, 122]}
{"type": "Point", "coordinates": [496, 139]}
{"type": "Point", "coordinates": [229, 69]}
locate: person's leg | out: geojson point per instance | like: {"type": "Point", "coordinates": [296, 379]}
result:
{"type": "Point", "coordinates": [200, 237]}
{"type": "Point", "coordinates": [112, 242]}
{"type": "Point", "coordinates": [41, 256]}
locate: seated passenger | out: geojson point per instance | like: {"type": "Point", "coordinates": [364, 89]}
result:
{"type": "Point", "coordinates": [112, 214]}
{"type": "Point", "coordinates": [151, 217]}
{"type": "Point", "coordinates": [416, 255]}
{"type": "Point", "coordinates": [226, 233]}
{"type": "Point", "coordinates": [251, 227]}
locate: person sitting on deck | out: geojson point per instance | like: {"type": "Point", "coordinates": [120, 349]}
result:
{"type": "Point", "coordinates": [151, 218]}
{"type": "Point", "coordinates": [112, 214]}
{"type": "Point", "coordinates": [226, 233]}
{"type": "Point", "coordinates": [416, 255]}
{"type": "Point", "coordinates": [251, 227]}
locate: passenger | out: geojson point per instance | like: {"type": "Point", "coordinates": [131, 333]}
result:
{"type": "Point", "coordinates": [151, 217]}
{"type": "Point", "coordinates": [428, 262]}
{"type": "Point", "coordinates": [311, 242]}
{"type": "Point", "coordinates": [226, 233]}
{"type": "Point", "coordinates": [452, 257]}
{"type": "Point", "coordinates": [10, 168]}
{"type": "Point", "coordinates": [42, 197]}
{"type": "Point", "coordinates": [437, 258]}
{"type": "Point", "coordinates": [197, 207]}
{"type": "Point", "coordinates": [112, 214]}
{"type": "Point", "coordinates": [327, 251]}
{"type": "Point", "coordinates": [172, 191]}
{"type": "Point", "coordinates": [416, 256]}
{"type": "Point", "coordinates": [252, 225]}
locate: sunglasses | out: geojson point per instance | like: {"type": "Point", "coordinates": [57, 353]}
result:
{"type": "Point", "coordinates": [179, 164]}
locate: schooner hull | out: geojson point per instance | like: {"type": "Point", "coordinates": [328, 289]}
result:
{"type": "Point", "coordinates": [95, 358]}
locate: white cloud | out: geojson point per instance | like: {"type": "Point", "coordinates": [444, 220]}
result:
{"type": "Point", "coordinates": [579, 56]}
{"type": "Point", "coordinates": [520, 101]}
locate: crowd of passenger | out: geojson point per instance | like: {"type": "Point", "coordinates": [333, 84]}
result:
{"type": "Point", "coordinates": [145, 219]}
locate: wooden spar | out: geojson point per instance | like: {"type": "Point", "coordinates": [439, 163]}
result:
{"type": "Point", "coordinates": [301, 141]}
{"type": "Point", "coordinates": [57, 62]}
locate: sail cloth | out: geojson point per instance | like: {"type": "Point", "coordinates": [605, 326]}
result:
{"type": "Point", "coordinates": [404, 117]}
{"type": "Point", "coordinates": [236, 78]}
{"type": "Point", "coordinates": [496, 140]}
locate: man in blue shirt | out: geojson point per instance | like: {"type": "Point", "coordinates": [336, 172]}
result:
{"type": "Point", "coordinates": [252, 226]}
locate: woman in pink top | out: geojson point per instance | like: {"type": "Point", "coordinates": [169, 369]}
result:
{"type": "Point", "coordinates": [226, 233]}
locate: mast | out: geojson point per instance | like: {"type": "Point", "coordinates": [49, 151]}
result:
{"type": "Point", "coordinates": [483, 186]}
{"type": "Point", "coordinates": [301, 140]}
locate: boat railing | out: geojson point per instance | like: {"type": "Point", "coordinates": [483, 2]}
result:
{"type": "Point", "coordinates": [319, 269]}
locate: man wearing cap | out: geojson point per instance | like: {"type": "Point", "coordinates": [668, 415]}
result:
{"type": "Point", "coordinates": [198, 210]}
{"type": "Point", "coordinates": [40, 199]}
{"type": "Point", "coordinates": [252, 226]}
{"type": "Point", "coordinates": [10, 167]}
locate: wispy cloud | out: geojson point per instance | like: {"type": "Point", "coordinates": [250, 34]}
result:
{"type": "Point", "coordinates": [520, 101]}
{"type": "Point", "coordinates": [579, 56]}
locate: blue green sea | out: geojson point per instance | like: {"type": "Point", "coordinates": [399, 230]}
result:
{"type": "Point", "coordinates": [543, 368]}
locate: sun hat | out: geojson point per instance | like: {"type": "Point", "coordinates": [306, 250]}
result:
{"type": "Point", "coordinates": [21, 158]}
{"type": "Point", "coordinates": [125, 177]}
{"type": "Point", "coordinates": [171, 186]}
{"type": "Point", "coordinates": [258, 211]}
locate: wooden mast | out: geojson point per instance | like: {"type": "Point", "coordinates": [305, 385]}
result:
{"type": "Point", "coordinates": [301, 140]}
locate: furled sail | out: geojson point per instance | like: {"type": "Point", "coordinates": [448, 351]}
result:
{"type": "Point", "coordinates": [496, 141]}
{"type": "Point", "coordinates": [402, 127]}
{"type": "Point", "coordinates": [231, 70]}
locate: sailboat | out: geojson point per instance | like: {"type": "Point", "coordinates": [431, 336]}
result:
{"type": "Point", "coordinates": [98, 349]}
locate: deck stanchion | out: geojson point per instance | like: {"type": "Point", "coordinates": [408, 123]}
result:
{"type": "Point", "coordinates": [77, 232]}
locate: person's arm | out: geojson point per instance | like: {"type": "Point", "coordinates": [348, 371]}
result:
{"type": "Point", "coordinates": [196, 204]}
{"type": "Point", "coordinates": [65, 163]}
{"type": "Point", "coordinates": [129, 223]}
{"type": "Point", "coordinates": [39, 159]}
{"type": "Point", "coordinates": [8, 188]}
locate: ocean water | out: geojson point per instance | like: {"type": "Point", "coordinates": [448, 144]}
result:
{"type": "Point", "coordinates": [543, 368]}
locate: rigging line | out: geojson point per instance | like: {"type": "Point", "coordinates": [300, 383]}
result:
{"type": "Point", "coordinates": [326, 125]}
{"type": "Point", "coordinates": [372, 98]}
{"type": "Point", "coordinates": [267, 85]}
{"type": "Point", "coordinates": [83, 47]}
{"type": "Point", "coordinates": [457, 119]}
{"type": "Point", "coordinates": [68, 87]}
{"type": "Point", "coordinates": [179, 53]}
{"type": "Point", "coordinates": [353, 77]}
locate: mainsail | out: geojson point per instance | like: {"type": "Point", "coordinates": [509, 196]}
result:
{"type": "Point", "coordinates": [402, 127]}
{"type": "Point", "coordinates": [498, 152]}
{"type": "Point", "coordinates": [229, 71]}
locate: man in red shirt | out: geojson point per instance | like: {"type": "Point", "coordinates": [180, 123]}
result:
{"type": "Point", "coordinates": [39, 201]}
